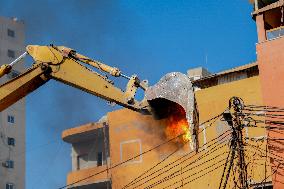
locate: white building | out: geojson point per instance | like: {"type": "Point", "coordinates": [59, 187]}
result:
{"type": "Point", "coordinates": [12, 120]}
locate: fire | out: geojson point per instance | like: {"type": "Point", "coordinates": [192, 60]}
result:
{"type": "Point", "coordinates": [186, 137]}
{"type": "Point", "coordinates": [177, 124]}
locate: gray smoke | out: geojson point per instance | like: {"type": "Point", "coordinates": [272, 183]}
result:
{"type": "Point", "coordinates": [90, 27]}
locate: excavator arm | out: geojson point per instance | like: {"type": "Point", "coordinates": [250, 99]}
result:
{"type": "Point", "coordinates": [67, 66]}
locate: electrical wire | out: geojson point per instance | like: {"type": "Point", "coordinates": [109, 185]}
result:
{"type": "Point", "coordinates": [148, 170]}
{"type": "Point", "coordinates": [130, 159]}
{"type": "Point", "coordinates": [265, 107]}
{"type": "Point", "coordinates": [179, 159]}
{"type": "Point", "coordinates": [196, 173]}
{"type": "Point", "coordinates": [172, 175]}
{"type": "Point", "coordinates": [261, 151]}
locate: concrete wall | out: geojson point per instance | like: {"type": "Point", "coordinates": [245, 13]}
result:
{"type": "Point", "coordinates": [15, 130]}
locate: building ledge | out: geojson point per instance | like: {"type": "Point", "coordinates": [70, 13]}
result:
{"type": "Point", "coordinates": [212, 80]}
{"type": "Point", "coordinates": [81, 133]}
{"type": "Point", "coordinates": [90, 174]}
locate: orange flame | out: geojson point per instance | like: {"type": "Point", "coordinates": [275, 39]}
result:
{"type": "Point", "coordinates": [177, 124]}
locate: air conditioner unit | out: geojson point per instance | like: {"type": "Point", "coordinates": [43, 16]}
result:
{"type": "Point", "coordinates": [8, 164]}
{"type": "Point", "coordinates": [5, 164]}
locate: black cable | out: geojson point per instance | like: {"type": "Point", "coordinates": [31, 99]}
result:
{"type": "Point", "coordinates": [277, 158]}
{"type": "Point", "coordinates": [202, 164]}
{"type": "Point", "coordinates": [147, 171]}
{"type": "Point", "coordinates": [166, 178]}
{"type": "Point", "coordinates": [262, 110]}
{"type": "Point", "coordinates": [209, 121]}
{"type": "Point", "coordinates": [280, 158]}
{"type": "Point", "coordinates": [168, 169]}
{"type": "Point", "coordinates": [265, 107]}
{"type": "Point", "coordinates": [227, 160]}
{"type": "Point", "coordinates": [215, 168]}
{"type": "Point", "coordinates": [174, 174]}
{"type": "Point", "coordinates": [215, 163]}
{"type": "Point", "coordinates": [261, 183]}
{"type": "Point", "coordinates": [176, 161]}
{"type": "Point", "coordinates": [130, 159]}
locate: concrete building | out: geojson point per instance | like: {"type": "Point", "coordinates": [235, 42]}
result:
{"type": "Point", "coordinates": [12, 120]}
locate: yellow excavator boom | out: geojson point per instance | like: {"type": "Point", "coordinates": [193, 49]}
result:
{"type": "Point", "coordinates": [67, 66]}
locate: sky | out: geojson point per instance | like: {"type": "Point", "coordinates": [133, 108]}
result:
{"type": "Point", "coordinates": [149, 38]}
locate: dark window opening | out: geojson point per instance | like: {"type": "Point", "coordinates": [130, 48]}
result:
{"type": "Point", "coordinates": [11, 119]}
{"type": "Point", "coordinates": [100, 159]}
{"type": "Point", "coordinates": [11, 141]}
{"type": "Point", "coordinates": [11, 33]}
{"type": "Point", "coordinates": [9, 186]}
{"type": "Point", "coordinates": [8, 164]}
{"type": "Point", "coordinates": [11, 53]}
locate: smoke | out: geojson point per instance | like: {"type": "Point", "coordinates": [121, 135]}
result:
{"type": "Point", "coordinates": [87, 26]}
{"type": "Point", "coordinates": [65, 24]}
{"type": "Point", "coordinates": [93, 28]}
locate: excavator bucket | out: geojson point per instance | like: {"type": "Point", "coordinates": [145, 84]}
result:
{"type": "Point", "coordinates": [173, 98]}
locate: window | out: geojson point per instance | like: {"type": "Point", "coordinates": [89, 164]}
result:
{"type": "Point", "coordinates": [100, 159]}
{"type": "Point", "coordinates": [8, 164]}
{"type": "Point", "coordinates": [11, 33]}
{"type": "Point", "coordinates": [11, 53]}
{"type": "Point", "coordinates": [11, 119]}
{"type": "Point", "coordinates": [11, 141]}
{"type": "Point", "coordinates": [10, 186]}
{"type": "Point", "coordinates": [131, 148]}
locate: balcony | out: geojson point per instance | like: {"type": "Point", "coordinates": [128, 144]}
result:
{"type": "Point", "coordinates": [275, 33]}
{"type": "Point", "coordinates": [89, 177]}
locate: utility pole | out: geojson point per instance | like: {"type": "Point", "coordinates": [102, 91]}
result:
{"type": "Point", "coordinates": [236, 106]}
{"type": "Point", "coordinates": [234, 118]}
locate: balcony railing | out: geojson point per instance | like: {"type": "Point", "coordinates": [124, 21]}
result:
{"type": "Point", "coordinates": [275, 33]}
